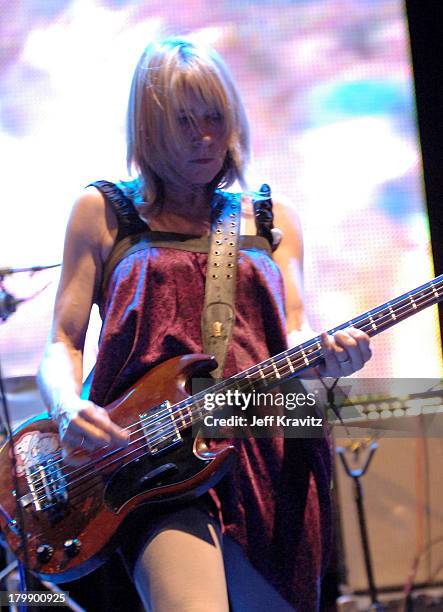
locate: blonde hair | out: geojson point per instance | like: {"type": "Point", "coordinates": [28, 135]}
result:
{"type": "Point", "coordinates": [165, 75]}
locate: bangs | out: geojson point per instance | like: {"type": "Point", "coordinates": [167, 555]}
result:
{"type": "Point", "coordinates": [196, 81]}
{"type": "Point", "coordinates": [203, 84]}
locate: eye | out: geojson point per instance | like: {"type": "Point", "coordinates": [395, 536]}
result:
{"type": "Point", "coordinates": [183, 121]}
{"type": "Point", "coordinates": [215, 117]}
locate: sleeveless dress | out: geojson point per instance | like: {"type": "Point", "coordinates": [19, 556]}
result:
{"type": "Point", "coordinates": [276, 502]}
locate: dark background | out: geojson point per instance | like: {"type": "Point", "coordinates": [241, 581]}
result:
{"type": "Point", "coordinates": [426, 33]}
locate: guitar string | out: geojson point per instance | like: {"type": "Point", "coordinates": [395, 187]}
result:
{"type": "Point", "coordinates": [181, 406]}
{"type": "Point", "coordinates": [73, 499]}
{"type": "Point", "coordinates": [180, 409]}
{"type": "Point", "coordinates": [86, 475]}
{"type": "Point", "coordinates": [97, 461]}
{"type": "Point", "coordinates": [257, 368]}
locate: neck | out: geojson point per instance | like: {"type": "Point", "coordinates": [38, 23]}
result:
{"type": "Point", "coordinates": [189, 200]}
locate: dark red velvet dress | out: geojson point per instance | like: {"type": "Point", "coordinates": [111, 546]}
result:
{"type": "Point", "coordinates": [275, 504]}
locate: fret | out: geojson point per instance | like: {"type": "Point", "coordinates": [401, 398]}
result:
{"type": "Point", "coordinates": [277, 373]}
{"type": "Point", "coordinates": [199, 410]}
{"type": "Point", "coordinates": [373, 324]}
{"type": "Point", "coordinates": [289, 362]}
{"type": "Point", "coordinates": [236, 383]}
{"type": "Point", "coordinates": [181, 417]}
{"type": "Point", "coordinates": [434, 290]}
{"type": "Point", "coordinates": [174, 422]}
{"type": "Point", "coordinates": [306, 360]}
{"type": "Point", "coordinates": [249, 382]}
{"type": "Point", "coordinates": [263, 377]}
{"type": "Point", "coordinates": [414, 305]}
{"type": "Point", "coordinates": [186, 410]}
{"type": "Point", "coordinates": [393, 315]}
{"type": "Point", "coordinates": [190, 410]}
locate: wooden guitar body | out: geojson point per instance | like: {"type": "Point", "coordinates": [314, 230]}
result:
{"type": "Point", "coordinates": [72, 513]}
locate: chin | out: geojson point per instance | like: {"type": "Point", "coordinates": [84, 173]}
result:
{"type": "Point", "coordinates": [204, 176]}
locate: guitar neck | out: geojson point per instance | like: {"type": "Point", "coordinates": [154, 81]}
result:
{"type": "Point", "coordinates": [372, 322]}
{"type": "Point", "coordinates": [293, 361]}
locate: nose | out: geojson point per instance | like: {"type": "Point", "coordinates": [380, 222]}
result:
{"type": "Point", "coordinates": [203, 133]}
{"type": "Point", "coordinates": [202, 136]}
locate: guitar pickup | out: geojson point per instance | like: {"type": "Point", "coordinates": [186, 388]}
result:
{"type": "Point", "coordinates": [160, 429]}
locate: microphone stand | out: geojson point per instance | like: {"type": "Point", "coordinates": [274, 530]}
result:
{"type": "Point", "coordinates": [8, 305]}
{"type": "Point", "coordinates": [8, 302]}
{"type": "Point", "coordinates": [356, 474]}
{"type": "Point", "coordinates": [20, 524]}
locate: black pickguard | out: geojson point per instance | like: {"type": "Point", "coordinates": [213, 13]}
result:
{"type": "Point", "coordinates": [147, 473]}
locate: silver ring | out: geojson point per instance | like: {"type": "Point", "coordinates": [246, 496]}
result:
{"type": "Point", "coordinates": [82, 442]}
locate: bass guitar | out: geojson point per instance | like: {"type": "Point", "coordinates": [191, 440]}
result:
{"type": "Point", "coordinates": [70, 514]}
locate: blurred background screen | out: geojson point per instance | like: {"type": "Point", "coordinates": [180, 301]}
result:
{"type": "Point", "coordinates": [329, 91]}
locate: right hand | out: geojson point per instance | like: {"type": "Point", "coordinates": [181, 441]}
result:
{"type": "Point", "coordinates": [85, 428]}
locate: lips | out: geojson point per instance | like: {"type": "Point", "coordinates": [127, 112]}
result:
{"type": "Point", "coordinates": [202, 160]}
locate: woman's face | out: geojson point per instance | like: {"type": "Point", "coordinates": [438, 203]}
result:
{"type": "Point", "coordinates": [202, 157]}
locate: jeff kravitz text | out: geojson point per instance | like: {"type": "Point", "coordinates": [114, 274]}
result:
{"type": "Point", "coordinates": [270, 420]}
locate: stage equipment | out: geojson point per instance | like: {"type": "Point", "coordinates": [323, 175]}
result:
{"type": "Point", "coordinates": [403, 491]}
{"type": "Point", "coordinates": [355, 474]}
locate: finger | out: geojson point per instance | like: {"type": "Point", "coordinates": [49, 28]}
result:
{"type": "Point", "coordinates": [331, 366]}
{"type": "Point", "coordinates": [94, 436]}
{"type": "Point", "coordinates": [363, 342]}
{"type": "Point", "coordinates": [341, 355]}
{"type": "Point", "coordinates": [347, 351]}
{"type": "Point", "coordinates": [119, 436]}
{"type": "Point", "coordinates": [75, 457]}
{"type": "Point", "coordinates": [356, 344]}
{"type": "Point", "coordinates": [114, 435]}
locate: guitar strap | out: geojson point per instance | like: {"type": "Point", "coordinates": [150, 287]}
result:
{"type": "Point", "coordinates": [218, 316]}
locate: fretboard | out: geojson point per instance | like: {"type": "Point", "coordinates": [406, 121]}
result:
{"type": "Point", "coordinates": [293, 361]}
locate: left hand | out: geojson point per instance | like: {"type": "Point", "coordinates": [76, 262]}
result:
{"type": "Point", "coordinates": [344, 353]}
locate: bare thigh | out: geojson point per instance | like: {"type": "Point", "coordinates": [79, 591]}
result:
{"type": "Point", "coordinates": [187, 566]}
{"type": "Point", "coordinates": [181, 566]}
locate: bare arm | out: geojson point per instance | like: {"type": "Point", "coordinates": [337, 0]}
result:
{"type": "Point", "coordinates": [89, 236]}
{"type": "Point", "coordinates": [345, 352]}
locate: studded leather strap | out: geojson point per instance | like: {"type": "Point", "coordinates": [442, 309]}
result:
{"type": "Point", "coordinates": [218, 315]}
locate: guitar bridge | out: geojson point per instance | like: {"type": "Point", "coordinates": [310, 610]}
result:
{"type": "Point", "coordinates": [47, 486]}
{"type": "Point", "coordinates": [160, 429]}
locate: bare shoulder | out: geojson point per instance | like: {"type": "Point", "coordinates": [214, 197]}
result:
{"type": "Point", "coordinates": [288, 221]}
{"type": "Point", "coordinates": [92, 221]}
{"type": "Point", "coordinates": [285, 215]}
{"type": "Point", "coordinates": [289, 258]}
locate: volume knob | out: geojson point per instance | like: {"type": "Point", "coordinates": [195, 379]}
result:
{"type": "Point", "coordinates": [44, 553]}
{"type": "Point", "coordinates": [72, 547]}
